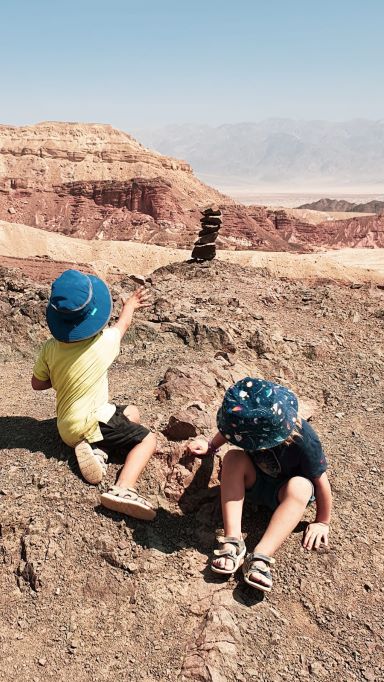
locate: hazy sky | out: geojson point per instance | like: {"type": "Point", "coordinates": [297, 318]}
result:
{"type": "Point", "coordinates": [147, 63]}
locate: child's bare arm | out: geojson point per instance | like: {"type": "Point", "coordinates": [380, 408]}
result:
{"type": "Point", "coordinates": [139, 299]}
{"type": "Point", "coordinates": [317, 532]}
{"type": "Point", "coordinates": [39, 385]}
{"type": "Point", "coordinates": [200, 446]}
{"type": "Point", "coordinates": [323, 496]}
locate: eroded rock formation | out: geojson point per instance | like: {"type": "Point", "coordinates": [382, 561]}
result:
{"type": "Point", "coordinates": [362, 231]}
{"type": "Point", "coordinates": [92, 181]}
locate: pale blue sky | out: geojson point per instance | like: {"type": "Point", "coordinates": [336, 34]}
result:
{"type": "Point", "coordinates": [145, 64]}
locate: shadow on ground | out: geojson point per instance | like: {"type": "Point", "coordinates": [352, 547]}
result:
{"type": "Point", "coordinates": [35, 435]}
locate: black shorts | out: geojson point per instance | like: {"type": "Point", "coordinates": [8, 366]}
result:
{"type": "Point", "coordinates": [120, 434]}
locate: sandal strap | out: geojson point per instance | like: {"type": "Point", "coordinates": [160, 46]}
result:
{"type": "Point", "coordinates": [122, 492]}
{"type": "Point", "coordinates": [129, 493]}
{"type": "Point", "coordinates": [250, 566]}
{"type": "Point", "coordinates": [228, 539]}
{"type": "Point", "coordinates": [256, 556]}
{"type": "Point", "coordinates": [250, 570]}
{"type": "Point", "coordinates": [231, 553]}
{"type": "Point", "coordinates": [225, 554]}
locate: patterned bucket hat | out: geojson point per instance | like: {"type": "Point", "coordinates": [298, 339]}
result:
{"type": "Point", "coordinates": [257, 414]}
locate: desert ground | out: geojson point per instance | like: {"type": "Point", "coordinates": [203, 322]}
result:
{"type": "Point", "coordinates": [91, 595]}
{"type": "Point", "coordinates": [105, 257]}
{"type": "Point", "coordinates": [94, 596]}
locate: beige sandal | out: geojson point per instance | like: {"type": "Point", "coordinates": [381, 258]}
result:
{"type": "Point", "coordinates": [235, 554]}
{"type": "Point", "coordinates": [92, 462]}
{"type": "Point", "coordinates": [128, 501]}
{"type": "Point", "coordinates": [257, 565]}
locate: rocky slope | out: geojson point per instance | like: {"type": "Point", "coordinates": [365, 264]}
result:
{"type": "Point", "coordinates": [93, 181]}
{"type": "Point", "coordinates": [87, 594]}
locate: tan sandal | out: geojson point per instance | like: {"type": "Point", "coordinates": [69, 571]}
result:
{"type": "Point", "coordinates": [128, 501]}
{"type": "Point", "coordinates": [257, 565]}
{"type": "Point", "coordinates": [235, 554]}
{"type": "Point", "coordinates": [92, 462]}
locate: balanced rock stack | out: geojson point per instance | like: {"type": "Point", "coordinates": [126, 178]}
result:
{"type": "Point", "coordinates": [205, 247]}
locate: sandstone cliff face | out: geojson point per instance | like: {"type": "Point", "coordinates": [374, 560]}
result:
{"type": "Point", "coordinates": [92, 181]}
{"type": "Point", "coordinates": [145, 210]}
{"type": "Point", "coordinates": [362, 232]}
{"type": "Point", "coordinates": [47, 154]}
{"type": "Point", "coordinates": [250, 227]}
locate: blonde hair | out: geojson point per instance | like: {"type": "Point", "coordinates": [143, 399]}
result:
{"type": "Point", "coordinates": [296, 433]}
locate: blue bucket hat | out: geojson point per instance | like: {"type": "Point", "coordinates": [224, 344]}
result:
{"type": "Point", "coordinates": [257, 414]}
{"type": "Point", "coordinates": [79, 307]}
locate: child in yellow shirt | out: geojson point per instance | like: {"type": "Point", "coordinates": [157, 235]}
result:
{"type": "Point", "coordinates": [75, 362]}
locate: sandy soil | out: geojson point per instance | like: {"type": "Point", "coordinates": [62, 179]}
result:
{"type": "Point", "coordinates": [348, 265]}
{"type": "Point", "coordinates": [24, 242]}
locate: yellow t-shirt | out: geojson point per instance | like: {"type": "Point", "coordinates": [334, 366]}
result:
{"type": "Point", "coordinates": [78, 373]}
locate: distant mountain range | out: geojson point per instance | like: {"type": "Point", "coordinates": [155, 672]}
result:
{"type": "Point", "coordinates": [278, 153]}
{"type": "Point", "coordinates": [344, 206]}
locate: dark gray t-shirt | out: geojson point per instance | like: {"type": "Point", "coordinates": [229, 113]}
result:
{"type": "Point", "coordinates": [303, 457]}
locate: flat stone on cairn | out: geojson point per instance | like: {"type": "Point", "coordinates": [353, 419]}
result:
{"type": "Point", "coordinates": [205, 247]}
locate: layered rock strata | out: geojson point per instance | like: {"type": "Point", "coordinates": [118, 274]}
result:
{"type": "Point", "coordinates": [94, 182]}
{"type": "Point", "coordinates": [40, 157]}
{"type": "Point", "coordinates": [362, 231]}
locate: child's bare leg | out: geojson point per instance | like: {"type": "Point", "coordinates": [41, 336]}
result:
{"type": "Point", "coordinates": [122, 497]}
{"type": "Point", "coordinates": [293, 497]}
{"type": "Point", "coordinates": [237, 475]}
{"type": "Point", "coordinates": [136, 461]}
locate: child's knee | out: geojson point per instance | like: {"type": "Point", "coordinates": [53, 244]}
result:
{"type": "Point", "coordinates": [300, 489]}
{"type": "Point", "coordinates": [235, 462]}
{"type": "Point", "coordinates": [132, 413]}
{"type": "Point", "coordinates": [151, 441]}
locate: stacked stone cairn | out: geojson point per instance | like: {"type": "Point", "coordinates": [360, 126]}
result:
{"type": "Point", "coordinates": [205, 247]}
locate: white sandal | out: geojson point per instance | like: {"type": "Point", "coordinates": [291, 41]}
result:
{"type": "Point", "coordinates": [128, 501]}
{"type": "Point", "coordinates": [92, 462]}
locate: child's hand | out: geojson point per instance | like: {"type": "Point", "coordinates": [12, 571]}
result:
{"type": "Point", "coordinates": [198, 447]}
{"type": "Point", "coordinates": [315, 534]}
{"type": "Point", "coordinates": [141, 298]}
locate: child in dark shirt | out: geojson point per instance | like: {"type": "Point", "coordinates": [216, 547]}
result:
{"type": "Point", "coordinates": [281, 465]}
